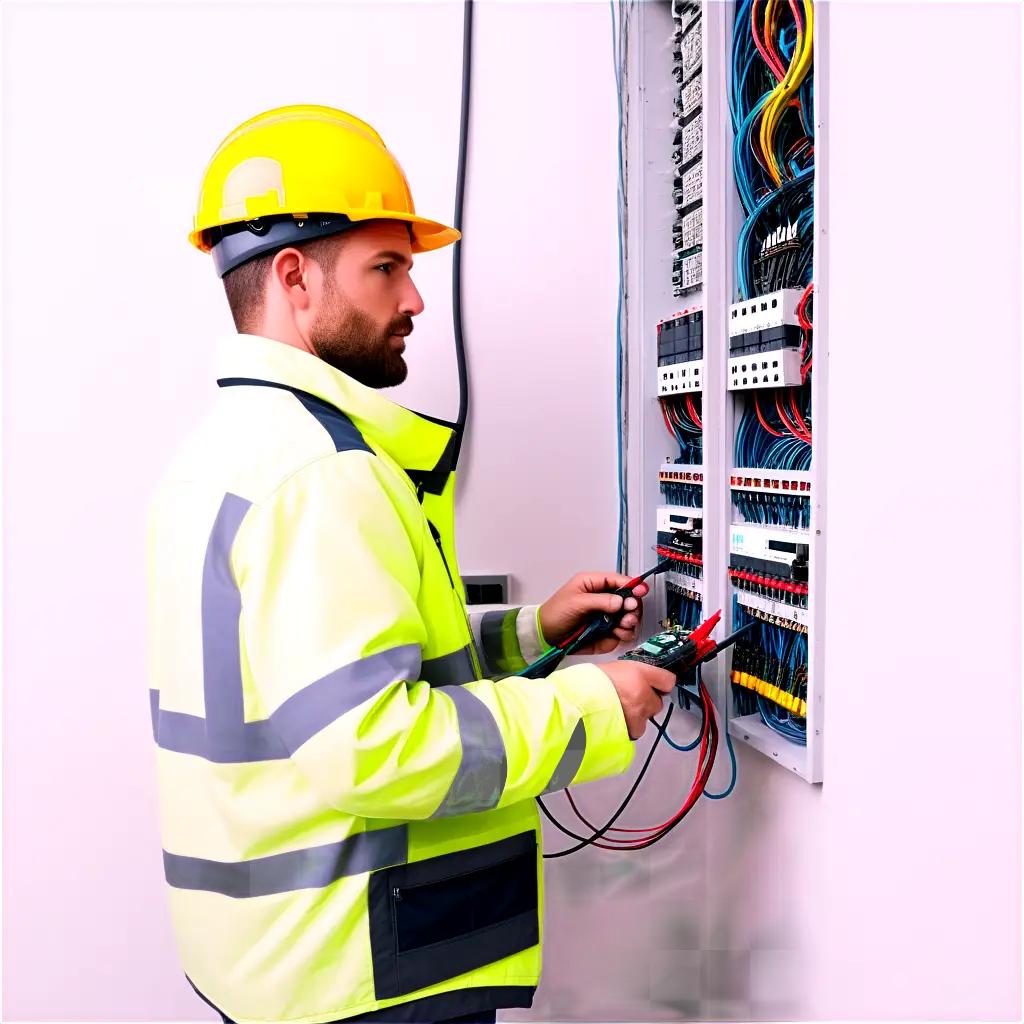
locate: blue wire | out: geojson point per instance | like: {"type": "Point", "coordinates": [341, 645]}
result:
{"type": "Point", "coordinates": [732, 757]}
{"type": "Point", "coordinates": [735, 772]}
{"type": "Point", "coordinates": [678, 746]}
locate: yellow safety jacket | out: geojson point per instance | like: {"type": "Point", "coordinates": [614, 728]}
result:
{"type": "Point", "coordinates": [346, 789]}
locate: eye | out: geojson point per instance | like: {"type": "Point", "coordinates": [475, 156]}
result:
{"type": "Point", "coordinates": [386, 267]}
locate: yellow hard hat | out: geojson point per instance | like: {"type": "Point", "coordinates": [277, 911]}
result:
{"type": "Point", "coordinates": [301, 172]}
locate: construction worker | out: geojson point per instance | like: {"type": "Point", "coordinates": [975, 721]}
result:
{"type": "Point", "coordinates": [347, 768]}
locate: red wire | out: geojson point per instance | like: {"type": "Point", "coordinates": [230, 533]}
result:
{"type": "Point", "coordinates": [776, 70]}
{"type": "Point", "coordinates": [769, 43]}
{"type": "Point", "coordinates": [805, 329]}
{"type": "Point", "coordinates": [801, 306]}
{"type": "Point", "coordinates": [796, 17]}
{"type": "Point", "coordinates": [651, 833]}
{"type": "Point", "coordinates": [791, 427]}
{"type": "Point", "coordinates": [797, 418]}
{"type": "Point", "coordinates": [693, 413]}
{"type": "Point", "coordinates": [664, 413]}
{"type": "Point", "coordinates": [760, 416]}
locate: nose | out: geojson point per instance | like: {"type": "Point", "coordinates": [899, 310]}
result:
{"type": "Point", "coordinates": [412, 301]}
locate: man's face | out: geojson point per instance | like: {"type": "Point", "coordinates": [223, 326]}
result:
{"type": "Point", "coordinates": [367, 305]}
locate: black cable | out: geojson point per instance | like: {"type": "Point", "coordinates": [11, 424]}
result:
{"type": "Point", "coordinates": [460, 190]}
{"type": "Point", "coordinates": [615, 817]}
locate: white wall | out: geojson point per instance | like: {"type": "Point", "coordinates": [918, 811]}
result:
{"type": "Point", "coordinates": [110, 113]}
{"type": "Point", "coordinates": [890, 891]}
{"type": "Point", "coordinates": [893, 891]}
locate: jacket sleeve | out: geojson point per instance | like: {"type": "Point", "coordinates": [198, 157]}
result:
{"type": "Point", "coordinates": [508, 640]}
{"type": "Point", "coordinates": [331, 640]}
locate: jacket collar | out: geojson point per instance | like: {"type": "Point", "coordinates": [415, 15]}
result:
{"type": "Point", "coordinates": [412, 440]}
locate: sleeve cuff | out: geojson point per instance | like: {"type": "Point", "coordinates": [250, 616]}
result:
{"type": "Point", "coordinates": [528, 632]}
{"type": "Point", "coordinates": [608, 750]}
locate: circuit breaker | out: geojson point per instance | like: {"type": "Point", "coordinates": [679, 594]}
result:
{"type": "Point", "coordinates": [728, 329]}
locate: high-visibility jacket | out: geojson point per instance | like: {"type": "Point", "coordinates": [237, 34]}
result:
{"type": "Point", "coordinates": [346, 788]}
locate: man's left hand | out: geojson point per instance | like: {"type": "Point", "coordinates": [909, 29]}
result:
{"type": "Point", "coordinates": [584, 596]}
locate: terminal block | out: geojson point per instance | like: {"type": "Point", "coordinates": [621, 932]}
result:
{"type": "Point", "coordinates": [773, 549]}
{"type": "Point", "coordinates": [766, 323]}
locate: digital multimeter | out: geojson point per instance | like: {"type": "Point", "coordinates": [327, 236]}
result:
{"type": "Point", "coordinates": [679, 650]}
{"type": "Point", "coordinates": [666, 650]}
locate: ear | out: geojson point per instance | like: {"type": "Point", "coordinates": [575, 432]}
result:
{"type": "Point", "coordinates": [290, 274]}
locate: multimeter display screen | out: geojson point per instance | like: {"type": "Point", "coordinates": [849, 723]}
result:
{"type": "Point", "coordinates": [660, 643]}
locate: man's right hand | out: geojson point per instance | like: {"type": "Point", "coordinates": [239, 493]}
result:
{"type": "Point", "coordinates": [641, 689]}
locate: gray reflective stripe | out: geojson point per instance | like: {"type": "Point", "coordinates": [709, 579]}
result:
{"type": "Point", "coordinates": [492, 635]}
{"type": "Point", "coordinates": [450, 669]}
{"type": "Point", "coordinates": [298, 719]}
{"type": "Point", "coordinates": [312, 868]}
{"type": "Point", "coordinates": [314, 707]}
{"type": "Point", "coordinates": [474, 628]}
{"type": "Point", "coordinates": [221, 611]}
{"type": "Point", "coordinates": [223, 735]}
{"type": "Point", "coordinates": [480, 780]}
{"type": "Point", "coordinates": [572, 757]}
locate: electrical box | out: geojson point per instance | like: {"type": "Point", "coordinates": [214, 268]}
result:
{"type": "Point", "coordinates": [727, 332]}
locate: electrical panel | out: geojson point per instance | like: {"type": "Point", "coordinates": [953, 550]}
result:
{"type": "Point", "coordinates": [729, 308]}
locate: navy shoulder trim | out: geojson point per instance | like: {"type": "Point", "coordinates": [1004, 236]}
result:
{"type": "Point", "coordinates": [342, 430]}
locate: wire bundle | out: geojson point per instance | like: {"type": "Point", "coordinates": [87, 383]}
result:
{"type": "Point", "coordinates": [771, 104]}
{"type": "Point", "coordinates": [684, 495]}
{"type": "Point", "coordinates": [792, 510]}
{"type": "Point", "coordinates": [641, 838]}
{"type": "Point", "coordinates": [681, 414]}
{"type": "Point", "coordinates": [681, 608]}
{"type": "Point", "coordinates": [769, 675]}
{"type": "Point", "coordinates": [775, 430]}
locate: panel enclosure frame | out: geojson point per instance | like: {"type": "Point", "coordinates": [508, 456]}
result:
{"type": "Point", "coordinates": [650, 299]}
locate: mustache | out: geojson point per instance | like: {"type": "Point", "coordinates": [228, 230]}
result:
{"type": "Point", "coordinates": [403, 326]}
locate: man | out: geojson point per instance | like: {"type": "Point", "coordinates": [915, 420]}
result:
{"type": "Point", "coordinates": [347, 786]}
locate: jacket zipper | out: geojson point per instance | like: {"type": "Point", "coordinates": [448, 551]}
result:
{"type": "Point", "coordinates": [474, 656]}
{"type": "Point", "coordinates": [435, 533]}
{"type": "Point", "coordinates": [396, 896]}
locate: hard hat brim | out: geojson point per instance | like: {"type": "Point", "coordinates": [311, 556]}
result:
{"type": "Point", "coordinates": [426, 234]}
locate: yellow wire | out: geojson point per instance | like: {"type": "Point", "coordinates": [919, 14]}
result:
{"type": "Point", "coordinates": [771, 115]}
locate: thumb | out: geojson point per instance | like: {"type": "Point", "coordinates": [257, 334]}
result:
{"type": "Point", "coordinates": [609, 603]}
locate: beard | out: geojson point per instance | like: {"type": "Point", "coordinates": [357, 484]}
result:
{"type": "Point", "coordinates": [347, 339]}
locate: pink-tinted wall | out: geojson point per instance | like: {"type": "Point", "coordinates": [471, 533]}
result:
{"type": "Point", "coordinates": [110, 113]}
{"type": "Point", "coordinates": [891, 891]}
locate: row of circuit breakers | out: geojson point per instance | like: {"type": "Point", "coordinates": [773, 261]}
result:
{"type": "Point", "coordinates": [768, 379]}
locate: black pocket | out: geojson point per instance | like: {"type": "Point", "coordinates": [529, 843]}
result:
{"type": "Point", "coordinates": [442, 917]}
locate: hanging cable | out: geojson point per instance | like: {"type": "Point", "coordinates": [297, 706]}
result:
{"type": "Point", "coordinates": [460, 193]}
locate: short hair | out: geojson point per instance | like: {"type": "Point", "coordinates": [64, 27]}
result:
{"type": "Point", "coordinates": [246, 285]}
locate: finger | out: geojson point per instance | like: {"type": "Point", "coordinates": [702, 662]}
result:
{"type": "Point", "coordinates": [628, 622]}
{"type": "Point", "coordinates": [662, 681]}
{"type": "Point", "coordinates": [641, 590]}
{"type": "Point", "coordinates": [595, 582]}
{"type": "Point", "coordinates": [610, 603]}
